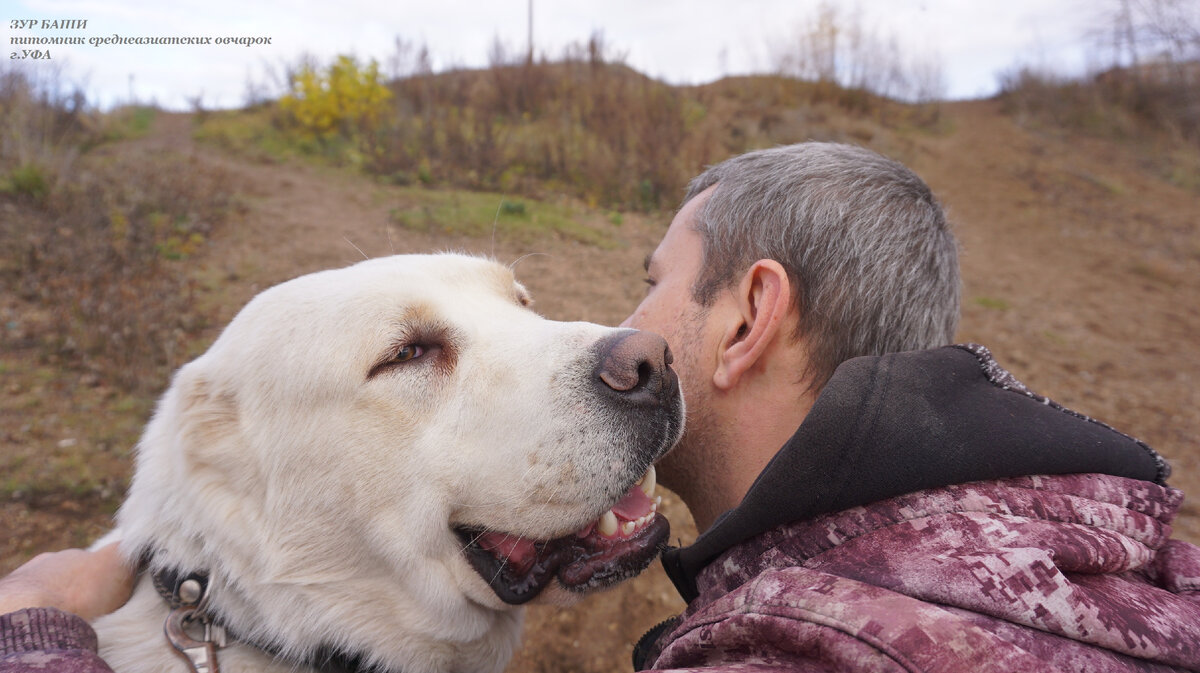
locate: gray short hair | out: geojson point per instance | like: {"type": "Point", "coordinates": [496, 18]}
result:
{"type": "Point", "coordinates": [864, 242]}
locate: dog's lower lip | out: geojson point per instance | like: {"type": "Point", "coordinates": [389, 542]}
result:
{"type": "Point", "coordinates": [619, 544]}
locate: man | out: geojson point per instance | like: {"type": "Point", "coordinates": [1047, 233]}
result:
{"type": "Point", "coordinates": [911, 519]}
{"type": "Point", "coordinates": [909, 522]}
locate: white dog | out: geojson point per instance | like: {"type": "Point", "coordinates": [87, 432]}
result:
{"type": "Point", "coordinates": [372, 468]}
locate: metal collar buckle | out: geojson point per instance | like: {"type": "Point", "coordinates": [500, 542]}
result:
{"type": "Point", "coordinates": [190, 594]}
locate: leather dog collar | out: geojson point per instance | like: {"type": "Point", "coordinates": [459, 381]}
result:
{"type": "Point", "coordinates": [187, 594]}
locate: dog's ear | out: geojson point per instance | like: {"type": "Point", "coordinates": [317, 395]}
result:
{"type": "Point", "coordinates": [190, 447]}
{"type": "Point", "coordinates": [207, 422]}
{"type": "Point", "coordinates": [207, 413]}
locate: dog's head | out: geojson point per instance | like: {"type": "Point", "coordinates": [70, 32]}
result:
{"type": "Point", "coordinates": [404, 448]}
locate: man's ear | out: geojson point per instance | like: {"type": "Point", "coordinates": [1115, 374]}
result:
{"type": "Point", "coordinates": [763, 298]}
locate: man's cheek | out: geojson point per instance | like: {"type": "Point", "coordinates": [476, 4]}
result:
{"type": "Point", "coordinates": [637, 319]}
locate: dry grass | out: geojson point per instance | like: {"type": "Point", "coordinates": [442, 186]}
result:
{"type": "Point", "coordinates": [585, 125]}
{"type": "Point", "coordinates": [1119, 103]}
{"type": "Point", "coordinates": [90, 243]}
{"type": "Point", "coordinates": [1154, 110]}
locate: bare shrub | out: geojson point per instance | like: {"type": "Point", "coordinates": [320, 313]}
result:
{"type": "Point", "coordinates": [586, 124]}
{"type": "Point", "coordinates": [44, 123]}
{"type": "Point", "coordinates": [1033, 93]}
{"type": "Point", "coordinates": [1151, 84]}
{"type": "Point", "coordinates": [853, 64]}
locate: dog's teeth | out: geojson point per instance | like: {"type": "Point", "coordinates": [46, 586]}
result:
{"type": "Point", "coordinates": [628, 527]}
{"type": "Point", "coordinates": [648, 481]}
{"type": "Point", "coordinates": [608, 524]}
{"type": "Point", "coordinates": [657, 502]}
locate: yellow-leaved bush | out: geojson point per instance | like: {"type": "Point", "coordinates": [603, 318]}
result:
{"type": "Point", "coordinates": [346, 99]}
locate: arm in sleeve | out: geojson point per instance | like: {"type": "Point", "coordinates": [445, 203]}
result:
{"type": "Point", "coordinates": [46, 639]}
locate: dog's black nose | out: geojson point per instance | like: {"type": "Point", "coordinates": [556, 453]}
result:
{"type": "Point", "coordinates": [635, 366]}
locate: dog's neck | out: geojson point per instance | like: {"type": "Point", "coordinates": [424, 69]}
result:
{"type": "Point", "coordinates": [189, 590]}
{"type": "Point", "coordinates": [384, 622]}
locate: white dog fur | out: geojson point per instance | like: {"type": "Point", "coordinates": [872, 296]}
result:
{"type": "Point", "coordinates": [317, 478]}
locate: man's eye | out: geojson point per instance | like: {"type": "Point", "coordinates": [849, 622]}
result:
{"type": "Point", "coordinates": [410, 352]}
{"type": "Point", "coordinates": [649, 281]}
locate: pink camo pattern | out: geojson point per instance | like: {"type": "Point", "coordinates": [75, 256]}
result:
{"type": "Point", "coordinates": [40, 640]}
{"type": "Point", "coordinates": [1062, 573]}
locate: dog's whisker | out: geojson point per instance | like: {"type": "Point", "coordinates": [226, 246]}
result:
{"type": "Point", "coordinates": [518, 499]}
{"type": "Point", "coordinates": [500, 566]}
{"type": "Point", "coordinates": [356, 247]}
{"type": "Point", "coordinates": [472, 541]}
{"type": "Point", "coordinates": [518, 260]}
{"type": "Point", "coordinates": [496, 223]}
{"type": "Point", "coordinates": [553, 493]}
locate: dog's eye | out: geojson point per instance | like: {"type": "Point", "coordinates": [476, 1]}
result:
{"type": "Point", "coordinates": [409, 352]}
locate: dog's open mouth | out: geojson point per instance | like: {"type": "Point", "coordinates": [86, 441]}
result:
{"type": "Point", "coordinates": [618, 545]}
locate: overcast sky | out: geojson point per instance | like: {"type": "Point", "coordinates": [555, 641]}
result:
{"type": "Point", "coordinates": [679, 41]}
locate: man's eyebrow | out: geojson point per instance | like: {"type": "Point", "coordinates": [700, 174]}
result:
{"type": "Point", "coordinates": [646, 262]}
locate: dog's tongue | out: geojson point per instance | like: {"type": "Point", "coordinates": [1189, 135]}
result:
{"type": "Point", "coordinates": [520, 553]}
{"type": "Point", "coordinates": [633, 506]}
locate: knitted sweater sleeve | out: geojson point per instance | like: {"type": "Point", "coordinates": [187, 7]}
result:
{"type": "Point", "coordinates": [46, 639]}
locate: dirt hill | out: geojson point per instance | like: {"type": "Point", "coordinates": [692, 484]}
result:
{"type": "Point", "coordinates": [1081, 260]}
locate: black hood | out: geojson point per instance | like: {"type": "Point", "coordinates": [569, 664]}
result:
{"type": "Point", "coordinates": [888, 425]}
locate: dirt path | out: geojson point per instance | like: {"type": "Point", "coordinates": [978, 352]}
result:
{"type": "Point", "coordinates": [1082, 273]}
{"type": "Point", "coordinates": [301, 218]}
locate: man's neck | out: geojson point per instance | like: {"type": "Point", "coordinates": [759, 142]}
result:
{"type": "Point", "coordinates": [761, 429]}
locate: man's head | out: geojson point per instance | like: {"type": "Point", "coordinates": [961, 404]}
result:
{"type": "Point", "coordinates": [781, 265]}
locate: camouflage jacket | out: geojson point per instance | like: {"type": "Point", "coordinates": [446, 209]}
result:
{"type": "Point", "coordinates": [1064, 573]}
{"type": "Point", "coordinates": [902, 529]}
